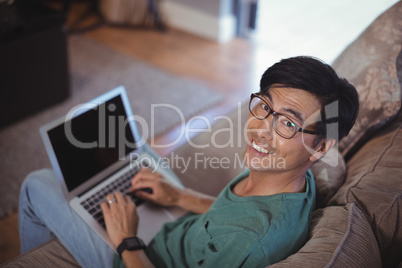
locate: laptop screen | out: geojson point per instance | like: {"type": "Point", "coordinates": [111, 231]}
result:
{"type": "Point", "coordinates": [92, 141]}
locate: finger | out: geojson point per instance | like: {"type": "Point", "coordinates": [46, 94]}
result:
{"type": "Point", "coordinates": [145, 175]}
{"type": "Point", "coordinates": [128, 199]}
{"type": "Point", "coordinates": [105, 207]}
{"type": "Point", "coordinates": [111, 200]}
{"type": "Point", "coordinates": [119, 197]}
{"type": "Point", "coordinates": [106, 213]}
{"type": "Point", "coordinates": [143, 180]}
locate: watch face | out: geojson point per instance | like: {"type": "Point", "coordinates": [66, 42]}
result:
{"type": "Point", "coordinates": [134, 243]}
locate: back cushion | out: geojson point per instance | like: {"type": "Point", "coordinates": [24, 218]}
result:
{"type": "Point", "coordinates": [370, 64]}
{"type": "Point", "coordinates": [374, 183]}
{"type": "Point", "coordinates": [339, 237]}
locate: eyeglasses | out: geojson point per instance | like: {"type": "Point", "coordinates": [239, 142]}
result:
{"type": "Point", "coordinates": [282, 124]}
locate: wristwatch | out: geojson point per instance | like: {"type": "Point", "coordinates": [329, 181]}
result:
{"type": "Point", "coordinates": [131, 243]}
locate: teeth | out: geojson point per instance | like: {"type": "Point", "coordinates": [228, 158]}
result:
{"type": "Point", "coordinates": [260, 149]}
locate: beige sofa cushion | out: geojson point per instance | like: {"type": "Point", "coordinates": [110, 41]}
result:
{"type": "Point", "coordinates": [374, 183]}
{"type": "Point", "coordinates": [369, 63]}
{"type": "Point", "coordinates": [50, 255]}
{"type": "Point", "coordinates": [339, 237]}
{"type": "Point", "coordinates": [329, 173]}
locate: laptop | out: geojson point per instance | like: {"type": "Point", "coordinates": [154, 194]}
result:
{"type": "Point", "coordinates": [95, 150]}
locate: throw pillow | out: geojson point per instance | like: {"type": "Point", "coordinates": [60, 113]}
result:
{"type": "Point", "coordinates": [369, 63]}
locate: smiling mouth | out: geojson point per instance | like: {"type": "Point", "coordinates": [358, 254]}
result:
{"type": "Point", "coordinates": [260, 149]}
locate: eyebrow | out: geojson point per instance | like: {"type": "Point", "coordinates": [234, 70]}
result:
{"type": "Point", "coordinates": [295, 113]}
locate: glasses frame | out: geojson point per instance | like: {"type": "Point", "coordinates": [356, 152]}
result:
{"type": "Point", "coordinates": [274, 115]}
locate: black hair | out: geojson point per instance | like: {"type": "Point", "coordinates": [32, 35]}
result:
{"type": "Point", "coordinates": [320, 79]}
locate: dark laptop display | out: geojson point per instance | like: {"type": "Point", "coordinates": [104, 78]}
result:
{"type": "Point", "coordinates": [92, 141]}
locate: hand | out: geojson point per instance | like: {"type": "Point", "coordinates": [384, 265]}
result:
{"type": "Point", "coordinates": [163, 193]}
{"type": "Point", "coordinates": [121, 217]}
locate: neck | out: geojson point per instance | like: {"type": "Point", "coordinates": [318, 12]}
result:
{"type": "Point", "coordinates": [270, 183]}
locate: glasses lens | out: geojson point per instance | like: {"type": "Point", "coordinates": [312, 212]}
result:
{"type": "Point", "coordinates": [259, 108]}
{"type": "Point", "coordinates": [284, 126]}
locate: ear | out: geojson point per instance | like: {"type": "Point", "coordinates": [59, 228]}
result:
{"type": "Point", "coordinates": [322, 148]}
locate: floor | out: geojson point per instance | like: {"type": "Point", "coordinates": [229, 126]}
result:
{"type": "Point", "coordinates": [285, 28]}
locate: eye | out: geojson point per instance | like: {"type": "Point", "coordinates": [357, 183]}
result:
{"type": "Point", "coordinates": [288, 124]}
{"type": "Point", "coordinates": [264, 106]}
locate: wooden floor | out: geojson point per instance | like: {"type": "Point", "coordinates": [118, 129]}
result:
{"type": "Point", "coordinates": [9, 239]}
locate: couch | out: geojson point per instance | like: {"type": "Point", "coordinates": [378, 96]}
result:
{"type": "Point", "coordinates": [358, 220]}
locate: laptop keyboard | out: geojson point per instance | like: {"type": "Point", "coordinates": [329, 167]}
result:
{"type": "Point", "coordinates": [122, 184]}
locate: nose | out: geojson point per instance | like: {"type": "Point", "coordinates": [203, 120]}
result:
{"type": "Point", "coordinates": [262, 128]}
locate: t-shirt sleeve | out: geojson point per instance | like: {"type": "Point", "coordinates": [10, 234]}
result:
{"type": "Point", "coordinates": [238, 249]}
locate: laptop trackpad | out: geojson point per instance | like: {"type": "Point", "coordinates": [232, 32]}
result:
{"type": "Point", "coordinates": [152, 217]}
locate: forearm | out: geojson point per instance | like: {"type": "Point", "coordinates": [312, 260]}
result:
{"type": "Point", "coordinates": [136, 259]}
{"type": "Point", "coordinates": [195, 202]}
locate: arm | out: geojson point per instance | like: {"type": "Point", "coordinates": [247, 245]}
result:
{"type": "Point", "coordinates": [166, 194]}
{"type": "Point", "coordinates": [193, 201]}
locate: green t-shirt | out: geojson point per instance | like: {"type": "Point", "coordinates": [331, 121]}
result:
{"type": "Point", "coordinates": [252, 231]}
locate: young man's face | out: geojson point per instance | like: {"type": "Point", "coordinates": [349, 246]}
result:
{"type": "Point", "coordinates": [267, 150]}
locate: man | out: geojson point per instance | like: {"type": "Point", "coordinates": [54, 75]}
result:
{"type": "Point", "coordinates": [260, 218]}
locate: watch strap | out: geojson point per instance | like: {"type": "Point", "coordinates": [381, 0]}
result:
{"type": "Point", "coordinates": [131, 243]}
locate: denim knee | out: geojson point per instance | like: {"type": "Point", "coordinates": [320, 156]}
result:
{"type": "Point", "coordinates": [38, 182]}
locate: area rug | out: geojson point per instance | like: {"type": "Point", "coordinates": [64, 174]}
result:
{"type": "Point", "coordinates": [95, 69]}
